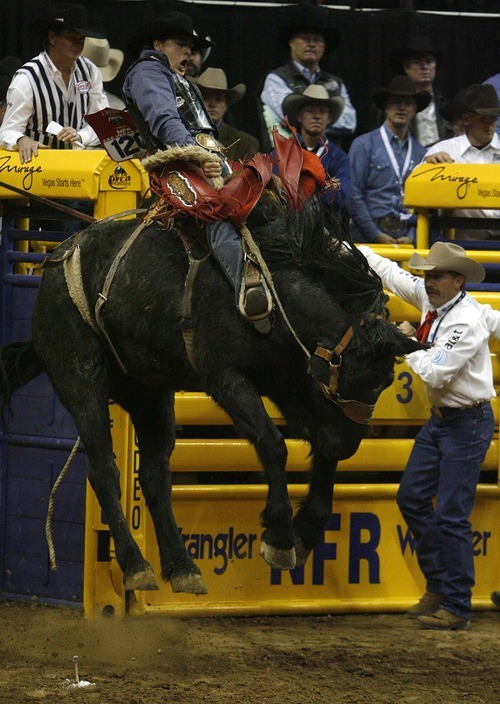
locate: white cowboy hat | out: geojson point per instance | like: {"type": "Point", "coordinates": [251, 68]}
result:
{"type": "Point", "coordinates": [109, 61]}
{"type": "Point", "coordinates": [314, 94]}
{"type": "Point", "coordinates": [215, 79]}
{"type": "Point", "coordinates": [446, 256]}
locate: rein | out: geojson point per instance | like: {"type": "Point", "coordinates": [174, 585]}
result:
{"type": "Point", "coordinates": [328, 381]}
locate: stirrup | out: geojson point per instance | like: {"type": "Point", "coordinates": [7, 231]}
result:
{"type": "Point", "coordinates": [255, 301]}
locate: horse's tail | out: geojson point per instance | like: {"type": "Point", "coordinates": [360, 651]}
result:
{"type": "Point", "coordinates": [19, 364]}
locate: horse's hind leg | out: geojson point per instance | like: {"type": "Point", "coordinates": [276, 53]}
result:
{"type": "Point", "coordinates": [80, 380]}
{"type": "Point", "coordinates": [152, 414]}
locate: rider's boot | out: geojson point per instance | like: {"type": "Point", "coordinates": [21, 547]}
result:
{"type": "Point", "coordinates": [253, 298]}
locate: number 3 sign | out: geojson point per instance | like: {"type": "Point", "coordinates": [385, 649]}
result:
{"type": "Point", "coordinates": [118, 134]}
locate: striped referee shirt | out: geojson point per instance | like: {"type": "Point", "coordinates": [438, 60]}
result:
{"type": "Point", "coordinates": [38, 95]}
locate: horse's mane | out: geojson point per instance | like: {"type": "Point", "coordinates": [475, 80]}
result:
{"type": "Point", "coordinates": [315, 242]}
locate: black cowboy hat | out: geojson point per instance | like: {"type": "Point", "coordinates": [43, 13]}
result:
{"type": "Point", "coordinates": [415, 47]}
{"type": "Point", "coordinates": [59, 16]}
{"type": "Point", "coordinates": [303, 18]}
{"type": "Point", "coordinates": [168, 25]}
{"type": "Point", "coordinates": [481, 99]}
{"type": "Point", "coordinates": [454, 109]}
{"type": "Point", "coordinates": [403, 86]}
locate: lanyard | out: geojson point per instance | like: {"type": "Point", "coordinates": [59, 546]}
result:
{"type": "Point", "coordinates": [440, 320]}
{"type": "Point", "coordinates": [392, 157]}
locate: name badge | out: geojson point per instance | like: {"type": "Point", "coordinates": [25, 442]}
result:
{"type": "Point", "coordinates": [83, 87]}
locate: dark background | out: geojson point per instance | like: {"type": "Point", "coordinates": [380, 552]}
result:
{"type": "Point", "coordinates": [247, 45]}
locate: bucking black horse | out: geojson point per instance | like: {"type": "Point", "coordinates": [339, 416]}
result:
{"type": "Point", "coordinates": [330, 353]}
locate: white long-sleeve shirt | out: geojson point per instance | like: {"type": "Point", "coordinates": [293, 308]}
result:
{"type": "Point", "coordinates": [456, 370]}
{"type": "Point", "coordinates": [60, 103]}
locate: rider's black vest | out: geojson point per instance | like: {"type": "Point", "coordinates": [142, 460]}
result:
{"type": "Point", "coordinates": [190, 107]}
{"type": "Point", "coordinates": [298, 83]}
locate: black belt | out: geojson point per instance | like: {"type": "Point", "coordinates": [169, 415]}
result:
{"type": "Point", "coordinates": [392, 224]}
{"type": "Point", "coordinates": [443, 411]}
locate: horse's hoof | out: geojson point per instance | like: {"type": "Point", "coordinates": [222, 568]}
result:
{"type": "Point", "coordinates": [301, 552]}
{"type": "Point", "coordinates": [278, 558]}
{"type": "Point", "coordinates": [188, 583]}
{"type": "Point", "coordinates": [144, 580]}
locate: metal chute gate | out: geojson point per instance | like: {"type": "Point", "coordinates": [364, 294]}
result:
{"type": "Point", "coordinates": [365, 561]}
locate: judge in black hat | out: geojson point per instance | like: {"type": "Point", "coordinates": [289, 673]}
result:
{"type": "Point", "coordinates": [57, 86]}
{"type": "Point", "coordinates": [419, 59]}
{"type": "Point", "coordinates": [309, 34]}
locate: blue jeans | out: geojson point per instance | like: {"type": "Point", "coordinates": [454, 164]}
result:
{"type": "Point", "coordinates": [225, 243]}
{"type": "Point", "coordinates": [444, 464]}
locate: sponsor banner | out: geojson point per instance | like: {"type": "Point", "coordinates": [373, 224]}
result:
{"type": "Point", "coordinates": [454, 186]}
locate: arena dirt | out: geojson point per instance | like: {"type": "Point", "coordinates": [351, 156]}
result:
{"type": "Point", "coordinates": [338, 659]}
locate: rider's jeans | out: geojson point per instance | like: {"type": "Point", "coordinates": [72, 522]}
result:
{"type": "Point", "coordinates": [225, 243]}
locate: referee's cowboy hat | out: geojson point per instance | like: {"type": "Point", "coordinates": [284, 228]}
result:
{"type": "Point", "coordinates": [60, 16]}
{"type": "Point", "coordinates": [403, 87]}
{"type": "Point", "coordinates": [446, 256]}
{"type": "Point", "coordinates": [313, 95]}
{"type": "Point", "coordinates": [171, 24]}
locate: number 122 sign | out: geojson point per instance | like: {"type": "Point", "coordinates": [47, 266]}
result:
{"type": "Point", "coordinates": [118, 133]}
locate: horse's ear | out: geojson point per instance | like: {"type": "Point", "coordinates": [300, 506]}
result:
{"type": "Point", "coordinates": [407, 346]}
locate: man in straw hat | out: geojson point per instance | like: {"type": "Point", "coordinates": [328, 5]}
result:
{"type": "Point", "coordinates": [446, 458]}
{"type": "Point", "coordinates": [380, 162]}
{"type": "Point", "coordinates": [57, 86]}
{"type": "Point", "coordinates": [218, 98]}
{"type": "Point", "coordinates": [109, 62]}
{"type": "Point", "coordinates": [311, 113]}
{"type": "Point", "coordinates": [479, 145]}
{"type": "Point", "coordinates": [169, 111]}
{"type": "Point", "coordinates": [309, 34]}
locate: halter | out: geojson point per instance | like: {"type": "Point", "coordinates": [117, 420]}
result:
{"type": "Point", "coordinates": [328, 382]}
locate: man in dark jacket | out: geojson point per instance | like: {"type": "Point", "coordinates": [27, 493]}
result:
{"type": "Point", "coordinates": [419, 60]}
{"type": "Point", "coordinates": [218, 98]}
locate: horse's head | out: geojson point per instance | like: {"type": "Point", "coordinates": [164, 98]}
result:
{"type": "Point", "coordinates": [353, 372]}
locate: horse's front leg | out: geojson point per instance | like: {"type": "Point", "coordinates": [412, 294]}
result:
{"type": "Point", "coordinates": [328, 446]}
{"type": "Point", "coordinates": [237, 395]}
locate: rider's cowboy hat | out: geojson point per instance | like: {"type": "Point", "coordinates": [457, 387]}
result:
{"type": "Point", "coordinates": [313, 95]}
{"type": "Point", "coordinates": [401, 86]}
{"type": "Point", "coordinates": [214, 79]}
{"type": "Point", "coordinates": [416, 47]}
{"type": "Point", "coordinates": [481, 99]}
{"type": "Point", "coordinates": [171, 24]}
{"type": "Point", "coordinates": [446, 256]}
{"type": "Point", "coordinates": [310, 18]}
{"type": "Point", "coordinates": [109, 61]}
{"type": "Point", "coordinates": [60, 16]}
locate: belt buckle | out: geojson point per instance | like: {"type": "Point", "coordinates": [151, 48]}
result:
{"type": "Point", "coordinates": [391, 224]}
{"type": "Point", "coordinates": [207, 142]}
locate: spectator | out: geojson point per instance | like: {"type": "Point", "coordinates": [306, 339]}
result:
{"type": "Point", "coordinates": [495, 79]}
{"type": "Point", "coordinates": [380, 162]}
{"type": "Point", "coordinates": [169, 110]}
{"type": "Point", "coordinates": [108, 61]}
{"type": "Point", "coordinates": [57, 85]}
{"type": "Point", "coordinates": [218, 98]}
{"type": "Point", "coordinates": [311, 113]}
{"type": "Point", "coordinates": [479, 145]}
{"type": "Point", "coordinates": [309, 34]}
{"type": "Point", "coordinates": [453, 113]}
{"type": "Point", "coordinates": [419, 60]}
{"type": "Point", "coordinates": [8, 67]}
{"type": "Point", "coordinates": [446, 458]}
{"type": "Point", "coordinates": [197, 59]}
